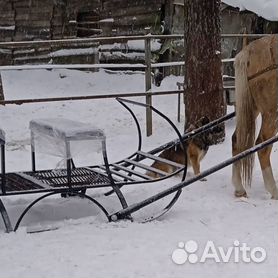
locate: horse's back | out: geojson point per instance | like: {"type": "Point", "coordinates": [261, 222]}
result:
{"type": "Point", "coordinates": [258, 58]}
{"type": "Point", "coordinates": [259, 55]}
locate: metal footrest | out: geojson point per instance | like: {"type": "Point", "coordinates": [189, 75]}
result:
{"type": "Point", "coordinates": [53, 179]}
{"type": "Point", "coordinates": [79, 177]}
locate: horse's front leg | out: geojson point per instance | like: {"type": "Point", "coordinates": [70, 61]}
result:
{"type": "Point", "coordinates": [236, 172]}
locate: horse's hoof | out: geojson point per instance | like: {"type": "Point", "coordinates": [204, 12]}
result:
{"type": "Point", "coordinates": [274, 197]}
{"type": "Point", "coordinates": [239, 194]}
{"type": "Point", "coordinates": [203, 179]}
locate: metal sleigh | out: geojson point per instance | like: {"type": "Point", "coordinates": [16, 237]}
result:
{"type": "Point", "coordinates": [128, 171]}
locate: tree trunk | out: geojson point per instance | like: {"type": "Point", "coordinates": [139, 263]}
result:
{"type": "Point", "coordinates": [203, 77]}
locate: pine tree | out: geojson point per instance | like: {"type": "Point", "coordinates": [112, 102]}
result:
{"type": "Point", "coordinates": [203, 77]}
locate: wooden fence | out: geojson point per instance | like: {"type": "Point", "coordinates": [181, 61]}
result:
{"type": "Point", "coordinates": [147, 67]}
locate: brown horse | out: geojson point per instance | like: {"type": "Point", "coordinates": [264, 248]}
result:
{"type": "Point", "coordinates": [256, 93]}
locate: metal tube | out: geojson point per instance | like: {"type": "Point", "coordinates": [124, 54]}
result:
{"type": "Point", "coordinates": [5, 217]}
{"type": "Point", "coordinates": [90, 97]}
{"type": "Point", "coordinates": [118, 38]}
{"type": "Point", "coordinates": [3, 169]}
{"type": "Point", "coordinates": [135, 207]}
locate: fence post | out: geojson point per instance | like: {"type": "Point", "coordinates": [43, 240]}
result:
{"type": "Point", "coordinates": [1, 88]}
{"type": "Point", "coordinates": [148, 84]}
{"type": "Point", "coordinates": [276, 58]}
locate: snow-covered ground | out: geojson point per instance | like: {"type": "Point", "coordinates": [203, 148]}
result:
{"type": "Point", "coordinates": [85, 245]}
{"type": "Point", "coordinates": [267, 9]}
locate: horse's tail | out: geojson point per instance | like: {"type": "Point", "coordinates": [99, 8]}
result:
{"type": "Point", "coordinates": [245, 120]}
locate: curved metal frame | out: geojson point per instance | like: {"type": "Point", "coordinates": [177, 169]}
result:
{"type": "Point", "coordinates": [180, 139]}
{"type": "Point", "coordinates": [181, 142]}
{"type": "Point", "coordinates": [59, 192]}
{"type": "Point", "coordinates": [5, 217]}
{"type": "Point", "coordinates": [136, 123]}
{"type": "Point", "coordinates": [126, 211]}
{"type": "Point", "coordinates": [139, 133]}
{"type": "Point", "coordinates": [116, 188]}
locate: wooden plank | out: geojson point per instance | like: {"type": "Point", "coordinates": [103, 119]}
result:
{"type": "Point", "coordinates": [134, 11]}
{"type": "Point", "coordinates": [160, 159]}
{"type": "Point", "coordinates": [138, 174]}
{"type": "Point", "coordinates": [121, 4]}
{"type": "Point", "coordinates": [146, 167]}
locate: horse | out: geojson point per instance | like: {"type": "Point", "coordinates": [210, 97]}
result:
{"type": "Point", "coordinates": [255, 94]}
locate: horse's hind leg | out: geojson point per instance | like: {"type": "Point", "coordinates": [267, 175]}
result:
{"type": "Point", "coordinates": [268, 130]}
{"type": "Point", "coordinates": [236, 174]}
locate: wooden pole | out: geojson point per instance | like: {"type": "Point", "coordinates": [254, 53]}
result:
{"type": "Point", "coordinates": [148, 85]}
{"type": "Point", "coordinates": [244, 39]}
{"type": "Point", "coordinates": [276, 52]}
{"type": "Point", "coordinates": [1, 89]}
{"type": "Point", "coordinates": [109, 39]}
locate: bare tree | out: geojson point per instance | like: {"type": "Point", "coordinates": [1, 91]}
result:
{"type": "Point", "coordinates": [203, 78]}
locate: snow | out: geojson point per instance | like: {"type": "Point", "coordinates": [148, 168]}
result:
{"type": "Point", "coordinates": [11, 27]}
{"type": "Point", "coordinates": [135, 56]}
{"type": "Point", "coordinates": [74, 51]}
{"type": "Point", "coordinates": [5, 51]}
{"type": "Point", "coordinates": [267, 9]}
{"type": "Point", "coordinates": [85, 245]}
{"type": "Point", "coordinates": [131, 45]}
{"type": "Point", "coordinates": [107, 20]}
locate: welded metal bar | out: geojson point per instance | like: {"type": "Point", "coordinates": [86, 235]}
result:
{"type": "Point", "coordinates": [194, 133]}
{"type": "Point", "coordinates": [161, 159]}
{"type": "Point", "coordinates": [137, 206]}
{"type": "Point", "coordinates": [115, 187]}
{"type": "Point", "coordinates": [184, 149]}
{"type": "Point", "coordinates": [87, 40]}
{"type": "Point", "coordinates": [135, 173]}
{"type": "Point", "coordinates": [180, 139]}
{"type": "Point", "coordinates": [68, 163]}
{"type": "Point", "coordinates": [5, 217]}
{"type": "Point", "coordinates": [88, 97]}
{"type": "Point", "coordinates": [187, 135]}
{"type": "Point", "coordinates": [179, 107]}
{"type": "Point", "coordinates": [139, 132]}
{"type": "Point", "coordinates": [98, 66]}
{"type": "Point", "coordinates": [33, 155]}
{"type": "Point", "coordinates": [146, 167]}
{"type": "Point", "coordinates": [117, 173]}
{"type": "Point", "coordinates": [118, 38]}
{"type": "Point", "coordinates": [3, 169]}
{"type": "Point", "coordinates": [72, 66]}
